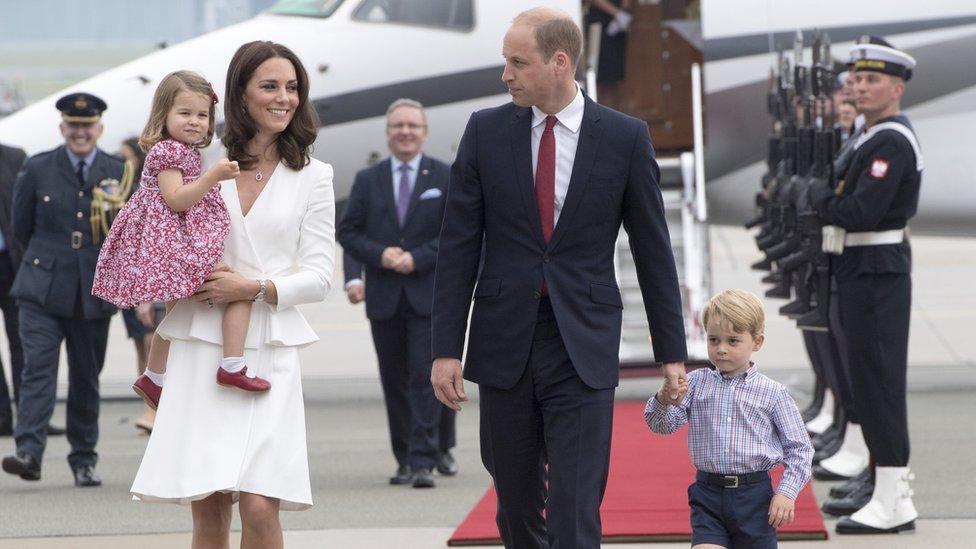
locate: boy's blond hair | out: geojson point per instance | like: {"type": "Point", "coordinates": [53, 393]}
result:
{"type": "Point", "coordinates": [739, 308]}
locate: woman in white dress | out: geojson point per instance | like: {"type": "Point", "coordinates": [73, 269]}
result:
{"type": "Point", "coordinates": [211, 445]}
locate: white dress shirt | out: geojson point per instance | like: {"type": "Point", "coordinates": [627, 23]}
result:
{"type": "Point", "coordinates": [567, 132]}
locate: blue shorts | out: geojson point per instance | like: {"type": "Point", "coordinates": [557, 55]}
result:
{"type": "Point", "coordinates": [732, 517]}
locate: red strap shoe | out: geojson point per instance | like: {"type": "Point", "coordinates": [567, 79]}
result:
{"type": "Point", "coordinates": [149, 391]}
{"type": "Point", "coordinates": [241, 381]}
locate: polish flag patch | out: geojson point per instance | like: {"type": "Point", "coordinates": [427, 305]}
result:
{"type": "Point", "coordinates": [879, 168]}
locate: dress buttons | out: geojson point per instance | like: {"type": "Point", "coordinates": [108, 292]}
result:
{"type": "Point", "coordinates": [47, 198]}
{"type": "Point", "coordinates": [37, 261]}
{"type": "Point", "coordinates": [81, 194]}
{"type": "Point", "coordinates": [80, 215]}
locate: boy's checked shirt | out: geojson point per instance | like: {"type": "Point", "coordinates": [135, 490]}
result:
{"type": "Point", "coordinates": [739, 425]}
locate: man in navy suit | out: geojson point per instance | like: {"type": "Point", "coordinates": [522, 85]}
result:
{"type": "Point", "coordinates": [539, 189]}
{"type": "Point", "coordinates": [390, 226]}
{"type": "Point", "coordinates": [10, 253]}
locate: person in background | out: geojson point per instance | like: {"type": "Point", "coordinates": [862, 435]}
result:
{"type": "Point", "coordinates": [140, 322]}
{"type": "Point", "coordinates": [614, 17]}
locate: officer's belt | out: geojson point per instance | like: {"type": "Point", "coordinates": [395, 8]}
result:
{"type": "Point", "coordinates": [75, 239]}
{"type": "Point", "coordinates": [874, 238]}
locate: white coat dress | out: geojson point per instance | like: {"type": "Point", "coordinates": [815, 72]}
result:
{"type": "Point", "coordinates": [208, 438]}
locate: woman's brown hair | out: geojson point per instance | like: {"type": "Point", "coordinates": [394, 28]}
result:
{"type": "Point", "coordinates": [169, 87]}
{"type": "Point", "coordinates": [295, 142]}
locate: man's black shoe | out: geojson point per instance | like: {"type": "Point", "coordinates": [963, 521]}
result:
{"type": "Point", "coordinates": [53, 431]}
{"type": "Point", "coordinates": [423, 478]}
{"type": "Point", "coordinates": [850, 504]}
{"type": "Point", "coordinates": [844, 489]}
{"type": "Point", "coordinates": [23, 465]}
{"type": "Point", "coordinates": [403, 475]}
{"type": "Point", "coordinates": [446, 464]}
{"type": "Point", "coordinates": [85, 476]}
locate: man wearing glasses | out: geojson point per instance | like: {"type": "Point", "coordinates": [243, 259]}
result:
{"type": "Point", "coordinates": [391, 225]}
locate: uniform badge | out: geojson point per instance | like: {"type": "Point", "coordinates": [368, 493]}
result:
{"type": "Point", "coordinates": [879, 168]}
{"type": "Point", "coordinates": [81, 103]}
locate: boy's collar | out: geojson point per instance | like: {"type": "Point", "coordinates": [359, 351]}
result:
{"type": "Point", "coordinates": [745, 375]}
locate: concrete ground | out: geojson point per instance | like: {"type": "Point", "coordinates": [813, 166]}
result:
{"type": "Point", "coordinates": [349, 448]}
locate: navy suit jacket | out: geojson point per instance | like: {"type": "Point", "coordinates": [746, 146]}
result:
{"type": "Point", "coordinates": [47, 202]}
{"type": "Point", "coordinates": [491, 204]}
{"type": "Point", "coordinates": [10, 161]}
{"type": "Point", "coordinates": [369, 225]}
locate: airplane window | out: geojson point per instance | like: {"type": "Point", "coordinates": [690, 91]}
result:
{"type": "Point", "coordinates": [451, 14]}
{"type": "Point", "coordinates": [308, 8]}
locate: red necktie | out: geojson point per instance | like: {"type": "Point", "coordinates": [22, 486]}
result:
{"type": "Point", "coordinates": [545, 179]}
{"type": "Point", "coordinates": [545, 184]}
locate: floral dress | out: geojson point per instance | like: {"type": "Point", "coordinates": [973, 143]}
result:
{"type": "Point", "coordinates": [153, 253]}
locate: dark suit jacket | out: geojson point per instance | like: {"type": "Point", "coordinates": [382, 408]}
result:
{"type": "Point", "coordinates": [49, 205]}
{"type": "Point", "coordinates": [11, 160]}
{"type": "Point", "coordinates": [369, 225]}
{"type": "Point", "coordinates": [491, 204]}
{"type": "Point", "coordinates": [352, 268]}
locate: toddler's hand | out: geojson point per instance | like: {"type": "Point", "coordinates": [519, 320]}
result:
{"type": "Point", "coordinates": [664, 398]}
{"type": "Point", "coordinates": [226, 169]}
{"type": "Point", "coordinates": [780, 511]}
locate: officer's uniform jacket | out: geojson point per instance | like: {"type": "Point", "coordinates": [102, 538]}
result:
{"type": "Point", "coordinates": [880, 193]}
{"type": "Point", "coordinates": [51, 218]}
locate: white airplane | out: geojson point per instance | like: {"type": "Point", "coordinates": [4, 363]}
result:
{"type": "Point", "coordinates": [363, 54]}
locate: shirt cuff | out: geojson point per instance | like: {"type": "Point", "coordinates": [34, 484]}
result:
{"type": "Point", "coordinates": [352, 283]}
{"type": "Point", "coordinates": [788, 490]}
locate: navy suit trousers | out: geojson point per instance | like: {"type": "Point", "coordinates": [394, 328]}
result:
{"type": "Point", "coordinates": [549, 427]}
{"type": "Point", "coordinates": [41, 334]}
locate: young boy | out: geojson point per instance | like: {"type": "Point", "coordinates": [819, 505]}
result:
{"type": "Point", "coordinates": [742, 424]}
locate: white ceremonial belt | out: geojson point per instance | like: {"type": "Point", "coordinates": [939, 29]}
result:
{"type": "Point", "coordinates": [875, 238]}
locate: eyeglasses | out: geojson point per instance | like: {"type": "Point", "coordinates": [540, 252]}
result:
{"type": "Point", "coordinates": [406, 126]}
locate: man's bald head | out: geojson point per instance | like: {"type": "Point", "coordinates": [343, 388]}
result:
{"type": "Point", "coordinates": [554, 30]}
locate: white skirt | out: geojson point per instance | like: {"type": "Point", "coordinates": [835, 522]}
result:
{"type": "Point", "coordinates": [208, 438]}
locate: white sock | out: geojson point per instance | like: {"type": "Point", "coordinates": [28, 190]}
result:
{"type": "Point", "coordinates": [158, 379]}
{"type": "Point", "coordinates": [232, 364]}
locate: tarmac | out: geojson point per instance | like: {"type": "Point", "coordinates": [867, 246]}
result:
{"type": "Point", "coordinates": [350, 459]}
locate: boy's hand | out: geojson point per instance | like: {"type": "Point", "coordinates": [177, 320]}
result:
{"type": "Point", "coordinates": [664, 395]}
{"type": "Point", "coordinates": [780, 511]}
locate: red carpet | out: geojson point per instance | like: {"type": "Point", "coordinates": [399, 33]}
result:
{"type": "Point", "coordinates": [647, 498]}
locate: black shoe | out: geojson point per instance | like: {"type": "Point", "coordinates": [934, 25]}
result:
{"type": "Point", "coordinates": [423, 478]}
{"type": "Point", "coordinates": [403, 475]}
{"type": "Point", "coordinates": [825, 438]}
{"type": "Point", "coordinates": [828, 450]}
{"type": "Point", "coordinates": [23, 465]}
{"type": "Point", "coordinates": [53, 431]}
{"type": "Point", "coordinates": [850, 504]}
{"type": "Point", "coordinates": [85, 476]}
{"type": "Point", "coordinates": [446, 464]}
{"type": "Point", "coordinates": [821, 473]}
{"type": "Point", "coordinates": [841, 491]}
{"type": "Point", "coordinates": [846, 525]}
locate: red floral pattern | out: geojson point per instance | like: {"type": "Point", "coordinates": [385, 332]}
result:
{"type": "Point", "coordinates": [153, 253]}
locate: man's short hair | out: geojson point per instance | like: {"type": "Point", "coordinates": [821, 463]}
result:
{"type": "Point", "coordinates": [743, 310]}
{"type": "Point", "coordinates": [404, 102]}
{"type": "Point", "coordinates": [554, 31]}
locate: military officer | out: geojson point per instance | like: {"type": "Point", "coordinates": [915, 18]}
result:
{"type": "Point", "coordinates": [61, 233]}
{"type": "Point", "coordinates": [867, 213]}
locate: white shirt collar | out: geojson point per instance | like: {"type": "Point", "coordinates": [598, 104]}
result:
{"type": "Point", "coordinates": [571, 116]}
{"type": "Point", "coordinates": [414, 164]}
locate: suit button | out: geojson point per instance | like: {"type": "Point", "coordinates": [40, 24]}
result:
{"type": "Point", "coordinates": [538, 294]}
{"type": "Point", "coordinates": [545, 258]}
{"type": "Point", "coordinates": [401, 241]}
{"type": "Point", "coordinates": [47, 198]}
{"type": "Point", "coordinates": [81, 194]}
{"type": "Point", "coordinates": [80, 215]}
{"type": "Point", "coordinates": [38, 262]}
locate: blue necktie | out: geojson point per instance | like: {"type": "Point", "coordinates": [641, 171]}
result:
{"type": "Point", "coordinates": [81, 172]}
{"type": "Point", "coordinates": [403, 200]}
